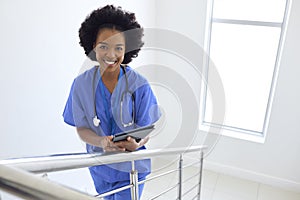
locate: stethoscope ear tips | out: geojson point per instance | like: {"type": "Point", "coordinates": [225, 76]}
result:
{"type": "Point", "coordinates": [96, 121]}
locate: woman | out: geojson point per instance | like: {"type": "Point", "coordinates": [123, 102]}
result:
{"type": "Point", "coordinates": [111, 98]}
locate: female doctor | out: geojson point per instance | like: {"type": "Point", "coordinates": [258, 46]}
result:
{"type": "Point", "coordinates": [111, 97]}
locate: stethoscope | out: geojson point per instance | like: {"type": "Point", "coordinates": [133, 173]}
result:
{"type": "Point", "coordinates": [96, 120]}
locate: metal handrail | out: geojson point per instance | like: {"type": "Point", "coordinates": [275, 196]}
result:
{"type": "Point", "coordinates": [33, 187]}
{"type": "Point", "coordinates": [181, 181]}
{"type": "Point", "coordinates": [29, 186]}
{"type": "Point", "coordinates": [59, 162]}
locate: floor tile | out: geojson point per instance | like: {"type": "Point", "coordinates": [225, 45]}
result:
{"type": "Point", "coordinates": [266, 192]}
{"type": "Point", "coordinates": [209, 179]}
{"type": "Point", "coordinates": [206, 193]}
{"type": "Point", "coordinates": [231, 188]}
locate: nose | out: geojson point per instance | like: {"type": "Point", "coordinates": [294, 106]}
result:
{"type": "Point", "coordinates": [111, 53]}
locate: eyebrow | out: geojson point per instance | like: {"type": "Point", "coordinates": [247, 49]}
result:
{"type": "Point", "coordinates": [108, 44]}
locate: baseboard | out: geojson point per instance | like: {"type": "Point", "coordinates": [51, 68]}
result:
{"type": "Point", "coordinates": [252, 176]}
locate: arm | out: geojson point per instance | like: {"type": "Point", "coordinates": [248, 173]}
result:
{"type": "Point", "coordinates": [105, 142]}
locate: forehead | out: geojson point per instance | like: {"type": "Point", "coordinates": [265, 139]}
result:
{"type": "Point", "coordinates": [110, 36]}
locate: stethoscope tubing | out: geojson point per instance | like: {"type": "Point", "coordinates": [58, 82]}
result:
{"type": "Point", "coordinates": [96, 120]}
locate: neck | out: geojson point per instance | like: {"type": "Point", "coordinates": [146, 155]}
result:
{"type": "Point", "coordinates": [110, 78]}
{"type": "Point", "coordinates": [110, 75]}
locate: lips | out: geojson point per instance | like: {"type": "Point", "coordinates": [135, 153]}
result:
{"type": "Point", "coordinates": [110, 62]}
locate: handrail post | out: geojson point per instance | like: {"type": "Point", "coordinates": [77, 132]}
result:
{"type": "Point", "coordinates": [200, 175]}
{"type": "Point", "coordinates": [134, 182]}
{"type": "Point", "coordinates": [180, 177]}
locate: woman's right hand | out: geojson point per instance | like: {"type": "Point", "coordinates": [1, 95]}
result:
{"type": "Point", "coordinates": [105, 142]}
{"type": "Point", "coordinates": [108, 145]}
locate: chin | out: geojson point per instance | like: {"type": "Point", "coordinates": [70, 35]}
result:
{"type": "Point", "coordinates": [112, 68]}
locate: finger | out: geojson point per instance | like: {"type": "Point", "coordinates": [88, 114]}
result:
{"type": "Point", "coordinates": [121, 144]}
{"type": "Point", "coordinates": [114, 149]}
{"type": "Point", "coordinates": [130, 139]}
{"type": "Point", "coordinates": [118, 149]}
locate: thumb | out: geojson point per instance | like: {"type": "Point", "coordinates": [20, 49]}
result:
{"type": "Point", "coordinates": [110, 137]}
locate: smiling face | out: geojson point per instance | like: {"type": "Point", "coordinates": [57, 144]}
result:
{"type": "Point", "coordinates": [110, 49]}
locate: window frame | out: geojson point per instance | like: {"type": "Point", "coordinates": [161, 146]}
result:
{"type": "Point", "coordinates": [236, 132]}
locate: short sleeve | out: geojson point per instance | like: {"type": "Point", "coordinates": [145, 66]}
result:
{"type": "Point", "coordinates": [148, 111]}
{"type": "Point", "coordinates": [74, 114]}
{"type": "Point", "coordinates": [68, 111]}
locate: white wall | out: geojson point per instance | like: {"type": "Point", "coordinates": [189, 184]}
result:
{"type": "Point", "coordinates": [178, 25]}
{"type": "Point", "coordinates": [277, 160]}
{"type": "Point", "coordinates": [40, 57]}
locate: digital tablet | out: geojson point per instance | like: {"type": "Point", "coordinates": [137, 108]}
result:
{"type": "Point", "coordinates": [137, 134]}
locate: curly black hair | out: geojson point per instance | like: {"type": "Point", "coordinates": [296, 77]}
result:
{"type": "Point", "coordinates": [114, 18]}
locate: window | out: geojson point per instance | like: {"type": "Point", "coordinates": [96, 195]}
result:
{"type": "Point", "coordinates": [244, 41]}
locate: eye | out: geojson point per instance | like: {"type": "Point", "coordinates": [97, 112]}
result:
{"type": "Point", "coordinates": [119, 48]}
{"type": "Point", "coordinates": [102, 47]}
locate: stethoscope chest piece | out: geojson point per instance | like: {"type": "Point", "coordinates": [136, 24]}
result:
{"type": "Point", "coordinates": [96, 121]}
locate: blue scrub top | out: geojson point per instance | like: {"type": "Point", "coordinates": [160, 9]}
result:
{"type": "Point", "coordinates": [79, 112]}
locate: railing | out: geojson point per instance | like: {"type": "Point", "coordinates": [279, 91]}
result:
{"type": "Point", "coordinates": [17, 175]}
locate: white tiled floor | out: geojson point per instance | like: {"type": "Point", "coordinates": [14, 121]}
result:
{"type": "Point", "coordinates": [214, 187]}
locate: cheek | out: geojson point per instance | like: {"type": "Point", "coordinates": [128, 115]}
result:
{"type": "Point", "coordinates": [121, 58]}
{"type": "Point", "coordinates": [99, 56]}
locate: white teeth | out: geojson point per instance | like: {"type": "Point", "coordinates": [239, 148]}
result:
{"type": "Point", "coordinates": [109, 62]}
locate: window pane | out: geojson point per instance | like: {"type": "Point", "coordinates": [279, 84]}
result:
{"type": "Point", "coordinates": [254, 10]}
{"type": "Point", "coordinates": [245, 58]}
